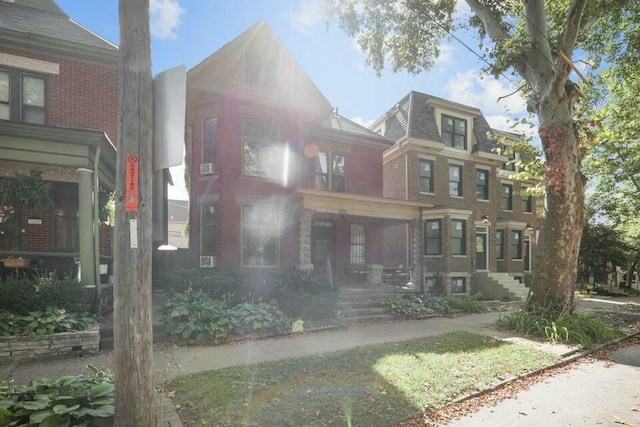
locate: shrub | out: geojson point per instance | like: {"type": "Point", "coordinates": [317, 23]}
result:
{"type": "Point", "coordinates": [261, 318]}
{"type": "Point", "coordinates": [468, 303]}
{"type": "Point", "coordinates": [212, 281]}
{"type": "Point", "coordinates": [20, 294]}
{"type": "Point", "coordinates": [193, 315]}
{"type": "Point", "coordinates": [70, 400]}
{"type": "Point", "coordinates": [46, 322]}
{"type": "Point", "coordinates": [553, 325]}
{"type": "Point", "coordinates": [410, 308]}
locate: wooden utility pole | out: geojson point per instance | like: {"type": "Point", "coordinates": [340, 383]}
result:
{"type": "Point", "coordinates": [132, 262]}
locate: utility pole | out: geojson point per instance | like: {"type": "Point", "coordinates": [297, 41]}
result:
{"type": "Point", "coordinates": [133, 228]}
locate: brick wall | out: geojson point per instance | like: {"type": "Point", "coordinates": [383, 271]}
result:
{"type": "Point", "coordinates": [83, 95]}
{"type": "Point", "coordinates": [105, 239]}
{"type": "Point", "coordinates": [36, 237]}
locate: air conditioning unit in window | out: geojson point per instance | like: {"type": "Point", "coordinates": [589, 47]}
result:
{"type": "Point", "coordinates": [207, 168]}
{"type": "Point", "coordinates": [207, 261]}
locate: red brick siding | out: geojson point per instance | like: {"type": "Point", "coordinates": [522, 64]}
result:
{"type": "Point", "coordinates": [36, 237]}
{"type": "Point", "coordinates": [105, 240]}
{"type": "Point", "coordinates": [83, 95]}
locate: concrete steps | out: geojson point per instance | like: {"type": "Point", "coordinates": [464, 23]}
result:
{"type": "Point", "coordinates": [500, 286]}
{"type": "Point", "coordinates": [361, 305]}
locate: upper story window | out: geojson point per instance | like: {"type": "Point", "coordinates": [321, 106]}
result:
{"type": "Point", "coordinates": [454, 132]}
{"type": "Point", "coordinates": [527, 202]}
{"type": "Point", "coordinates": [509, 165]}
{"type": "Point", "coordinates": [263, 154]}
{"type": "Point", "coordinates": [22, 97]}
{"type": "Point", "coordinates": [426, 175]}
{"type": "Point", "coordinates": [330, 172]}
{"type": "Point", "coordinates": [432, 237]}
{"type": "Point", "coordinates": [507, 197]}
{"type": "Point", "coordinates": [482, 184]}
{"type": "Point", "coordinates": [210, 140]}
{"type": "Point", "coordinates": [455, 180]}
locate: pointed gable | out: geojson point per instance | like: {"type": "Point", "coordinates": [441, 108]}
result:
{"type": "Point", "coordinates": [256, 67]}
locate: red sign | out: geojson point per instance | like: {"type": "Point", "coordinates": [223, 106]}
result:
{"type": "Point", "coordinates": [131, 184]}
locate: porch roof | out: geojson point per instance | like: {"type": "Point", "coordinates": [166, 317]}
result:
{"type": "Point", "coordinates": [358, 205]}
{"type": "Point", "coordinates": [49, 146]}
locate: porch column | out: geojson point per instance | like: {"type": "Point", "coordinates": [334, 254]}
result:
{"type": "Point", "coordinates": [304, 236]}
{"type": "Point", "coordinates": [415, 252]}
{"type": "Point", "coordinates": [85, 225]}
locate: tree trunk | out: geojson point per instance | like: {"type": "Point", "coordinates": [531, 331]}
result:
{"type": "Point", "coordinates": [631, 272]}
{"type": "Point", "coordinates": [556, 261]}
{"type": "Point", "coordinates": [132, 234]}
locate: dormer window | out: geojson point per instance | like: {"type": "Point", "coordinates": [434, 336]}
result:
{"type": "Point", "coordinates": [454, 132]}
{"type": "Point", "coordinates": [22, 97]}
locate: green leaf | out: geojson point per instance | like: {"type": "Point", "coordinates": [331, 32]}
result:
{"type": "Point", "coordinates": [55, 420]}
{"type": "Point", "coordinates": [102, 411]}
{"type": "Point", "coordinates": [36, 405]}
{"type": "Point", "coordinates": [39, 416]}
{"type": "Point", "coordinates": [64, 409]}
{"type": "Point", "coordinates": [101, 390]}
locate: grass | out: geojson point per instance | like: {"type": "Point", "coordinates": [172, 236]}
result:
{"type": "Point", "coordinates": [376, 385]}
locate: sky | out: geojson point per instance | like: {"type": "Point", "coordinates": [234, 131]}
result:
{"type": "Point", "coordinates": [185, 32]}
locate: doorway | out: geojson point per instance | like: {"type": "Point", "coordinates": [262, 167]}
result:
{"type": "Point", "coordinates": [324, 247]}
{"type": "Point", "coordinates": [482, 253]}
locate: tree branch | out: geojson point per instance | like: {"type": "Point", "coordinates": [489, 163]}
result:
{"type": "Point", "coordinates": [494, 28]}
{"type": "Point", "coordinates": [572, 27]}
{"type": "Point", "coordinates": [539, 52]}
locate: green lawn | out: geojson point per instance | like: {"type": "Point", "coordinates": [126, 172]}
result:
{"type": "Point", "coordinates": [378, 385]}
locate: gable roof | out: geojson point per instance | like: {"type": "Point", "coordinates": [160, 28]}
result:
{"type": "Point", "coordinates": [414, 117]}
{"type": "Point", "coordinates": [339, 124]}
{"type": "Point", "coordinates": [42, 26]}
{"type": "Point", "coordinates": [223, 72]}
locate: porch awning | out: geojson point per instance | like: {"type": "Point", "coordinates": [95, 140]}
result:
{"type": "Point", "coordinates": [24, 145]}
{"type": "Point", "coordinates": [357, 205]}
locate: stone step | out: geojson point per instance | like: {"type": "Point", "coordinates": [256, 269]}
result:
{"type": "Point", "coordinates": [360, 319]}
{"type": "Point", "coordinates": [346, 305]}
{"type": "Point", "coordinates": [362, 312]}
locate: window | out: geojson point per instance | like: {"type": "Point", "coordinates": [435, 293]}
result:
{"type": "Point", "coordinates": [458, 241]}
{"type": "Point", "coordinates": [500, 244]}
{"type": "Point", "coordinates": [358, 240]}
{"type": "Point", "coordinates": [210, 140]}
{"type": "Point", "coordinates": [482, 184]}
{"type": "Point", "coordinates": [510, 165]}
{"type": "Point", "coordinates": [330, 178]}
{"type": "Point", "coordinates": [432, 237]}
{"type": "Point", "coordinates": [259, 236]}
{"type": "Point", "coordinates": [458, 285]}
{"type": "Point", "coordinates": [454, 132]}
{"type": "Point", "coordinates": [516, 244]}
{"type": "Point", "coordinates": [507, 197]}
{"type": "Point", "coordinates": [455, 180]}
{"type": "Point", "coordinates": [263, 154]}
{"type": "Point", "coordinates": [527, 202]}
{"type": "Point", "coordinates": [426, 175]}
{"type": "Point", "coordinates": [208, 230]}
{"type": "Point", "coordinates": [22, 97]}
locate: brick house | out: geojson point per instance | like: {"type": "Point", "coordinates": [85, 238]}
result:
{"type": "Point", "coordinates": [479, 232]}
{"type": "Point", "coordinates": [278, 179]}
{"type": "Point", "coordinates": [58, 119]}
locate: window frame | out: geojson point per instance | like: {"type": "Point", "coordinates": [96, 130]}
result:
{"type": "Point", "coordinates": [429, 178]}
{"type": "Point", "coordinates": [500, 244]}
{"type": "Point", "coordinates": [453, 132]}
{"type": "Point", "coordinates": [427, 237]}
{"type": "Point", "coordinates": [358, 240]}
{"type": "Point", "coordinates": [462, 238]}
{"type": "Point", "coordinates": [264, 226]}
{"type": "Point", "coordinates": [15, 101]}
{"type": "Point", "coordinates": [458, 182]}
{"type": "Point", "coordinates": [527, 201]}
{"type": "Point", "coordinates": [508, 200]}
{"type": "Point", "coordinates": [464, 285]}
{"type": "Point", "coordinates": [330, 177]}
{"type": "Point", "coordinates": [262, 171]}
{"type": "Point", "coordinates": [213, 226]}
{"type": "Point", "coordinates": [210, 153]}
{"type": "Point", "coordinates": [516, 246]}
{"type": "Point", "coordinates": [484, 188]}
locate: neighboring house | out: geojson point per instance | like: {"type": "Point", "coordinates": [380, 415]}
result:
{"type": "Point", "coordinates": [177, 218]}
{"type": "Point", "coordinates": [58, 118]}
{"type": "Point", "coordinates": [278, 179]}
{"type": "Point", "coordinates": [480, 228]}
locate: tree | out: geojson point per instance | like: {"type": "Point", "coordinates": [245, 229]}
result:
{"type": "Point", "coordinates": [132, 238]}
{"type": "Point", "coordinates": [530, 39]}
{"type": "Point", "coordinates": [602, 247]}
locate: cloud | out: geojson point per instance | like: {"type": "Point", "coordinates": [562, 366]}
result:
{"type": "Point", "coordinates": [307, 17]}
{"type": "Point", "coordinates": [165, 18]}
{"type": "Point", "coordinates": [446, 57]}
{"type": "Point", "coordinates": [362, 121]}
{"type": "Point", "coordinates": [468, 88]}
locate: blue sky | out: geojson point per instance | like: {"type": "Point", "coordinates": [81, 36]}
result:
{"type": "Point", "coordinates": [185, 32]}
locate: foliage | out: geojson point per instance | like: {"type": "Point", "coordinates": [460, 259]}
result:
{"type": "Point", "coordinates": [46, 322]}
{"type": "Point", "coordinates": [71, 400]}
{"type": "Point", "coordinates": [193, 315]}
{"type": "Point", "coordinates": [602, 247]}
{"type": "Point", "coordinates": [20, 294]}
{"type": "Point", "coordinates": [416, 306]}
{"type": "Point", "coordinates": [25, 191]}
{"type": "Point", "coordinates": [382, 384]}
{"type": "Point", "coordinates": [212, 281]}
{"type": "Point", "coordinates": [261, 318]}
{"type": "Point", "coordinates": [552, 324]}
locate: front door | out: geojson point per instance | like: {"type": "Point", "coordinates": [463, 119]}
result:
{"type": "Point", "coordinates": [324, 246]}
{"type": "Point", "coordinates": [481, 249]}
{"type": "Point", "coordinates": [527, 253]}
